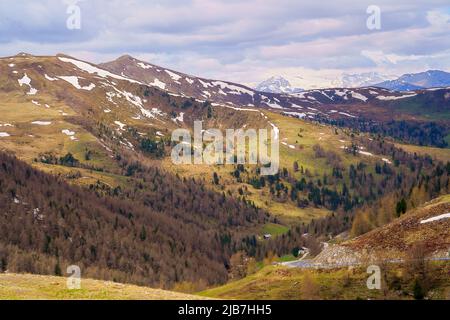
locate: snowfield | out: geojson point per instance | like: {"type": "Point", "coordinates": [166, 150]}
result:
{"type": "Point", "coordinates": [274, 105]}
{"type": "Point", "coordinates": [340, 93]}
{"type": "Point", "coordinates": [366, 153]}
{"type": "Point", "coordinates": [205, 84]}
{"type": "Point", "coordinates": [42, 123]}
{"type": "Point", "coordinates": [359, 96]}
{"type": "Point", "coordinates": [27, 81]}
{"type": "Point", "coordinates": [121, 125]}
{"type": "Point", "coordinates": [299, 115]}
{"type": "Point", "coordinates": [158, 83]}
{"type": "Point", "coordinates": [288, 145]}
{"type": "Point", "coordinates": [437, 218]}
{"type": "Point", "coordinates": [396, 97]}
{"type": "Point", "coordinates": [347, 114]}
{"type": "Point", "coordinates": [233, 88]}
{"type": "Point", "coordinates": [134, 100]}
{"type": "Point", "coordinates": [67, 132]}
{"type": "Point", "coordinates": [144, 66]}
{"type": "Point", "coordinates": [70, 134]}
{"type": "Point", "coordinates": [179, 118]}
{"type": "Point", "coordinates": [49, 78]}
{"type": "Point", "coordinates": [84, 66]}
{"type": "Point", "coordinates": [73, 80]}
{"type": "Point", "coordinates": [173, 75]}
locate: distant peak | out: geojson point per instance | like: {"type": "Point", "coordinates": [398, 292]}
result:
{"type": "Point", "coordinates": [277, 84]}
{"type": "Point", "coordinates": [23, 54]}
{"type": "Point", "coordinates": [63, 55]}
{"type": "Point", "coordinates": [126, 57]}
{"type": "Point", "coordinates": [277, 78]}
{"type": "Point", "coordinates": [416, 81]}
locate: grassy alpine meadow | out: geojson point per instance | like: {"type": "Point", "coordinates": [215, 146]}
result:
{"type": "Point", "coordinates": [278, 282]}
{"type": "Point", "coordinates": [41, 287]}
{"type": "Point", "coordinates": [298, 138]}
{"type": "Point", "coordinates": [440, 154]}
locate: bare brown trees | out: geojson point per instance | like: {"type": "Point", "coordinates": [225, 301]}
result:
{"type": "Point", "coordinates": [418, 271]}
{"type": "Point", "coordinates": [238, 265]}
{"type": "Point", "coordinates": [159, 230]}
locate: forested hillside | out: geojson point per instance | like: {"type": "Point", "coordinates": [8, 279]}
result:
{"type": "Point", "coordinates": [177, 231]}
{"type": "Point", "coordinates": [371, 197]}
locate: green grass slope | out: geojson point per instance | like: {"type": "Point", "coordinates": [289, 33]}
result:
{"type": "Point", "coordinates": [277, 282]}
{"type": "Point", "coordinates": [34, 287]}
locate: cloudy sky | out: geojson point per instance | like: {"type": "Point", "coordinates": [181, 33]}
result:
{"type": "Point", "coordinates": [307, 41]}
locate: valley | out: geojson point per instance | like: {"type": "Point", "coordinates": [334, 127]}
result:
{"type": "Point", "coordinates": [87, 178]}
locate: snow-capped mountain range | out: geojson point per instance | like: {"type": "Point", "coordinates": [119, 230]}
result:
{"type": "Point", "coordinates": [130, 92]}
{"type": "Point", "coordinates": [330, 103]}
{"type": "Point", "coordinates": [416, 81]}
{"type": "Point", "coordinates": [279, 84]}
{"type": "Point", "coordinates": [407, 82]}
{"type": "Point", "coordinates": [365, 79]}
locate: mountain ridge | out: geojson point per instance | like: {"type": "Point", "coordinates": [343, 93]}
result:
{"type": "Point", "coordinates": [365, 79]}
{"type": "Point", "coordinates": [417, 81]}
{"type": "Point", "coordinates": [332, 103]}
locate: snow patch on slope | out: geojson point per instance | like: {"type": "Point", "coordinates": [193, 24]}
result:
{"type": "Point", "coordinates": [359, 96]}
{"type": "Point", "coordinates": [42, 123]}
{"type": "Point", "coordinates": [27, 81]}
{"type": "Point", "coordinates": [173, 75]}
{"type": "Point", "coordinates": [437, 218]}
{"type": "Point", "coordinates": [49, 78]}
{"type": "Point", "coordinates": [233, 88]}
{"type": "Point", "coordinates": [95, 70]}
{"type": "Point", "coordinates": [144, 66]}
{"type": "Point", "coordinates": [179, 118]}
{"type": "Point", "coordinates": [121, 125]}
{"type": "Point", "coordinates": [73, 80]}
{"type": "Point", "coordinates": [70, 134]}
{"type": "Point", "coordinates": [396, 97]}
{"type": "Point", "coordinates": [158, 83]}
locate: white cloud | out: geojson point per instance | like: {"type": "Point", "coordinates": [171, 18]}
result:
{"type": "Point", "coordinates": [439, 20]}
{"type": "Point", "coordinates": [242, 41]}
{"type": "Point", "coordinates": [381, 58]}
